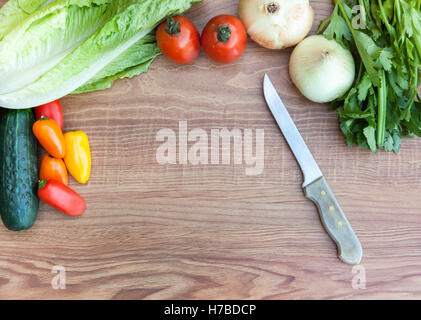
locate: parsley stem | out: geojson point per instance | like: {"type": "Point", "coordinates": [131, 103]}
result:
{"type": "Point", "coordinates": [341, 8]}
{"type": "Point", "coordinates": [360, 72]}
{"type": "Point", "coordinates": [363, 12]}
{"type": "Point", "coordinates": [417, 40]}
{"type": "Point", "coordinates": [389, 28]}
{"type": "Point", "coordinates": [385, 20]}
{"type": "Point", "coordinates": [412, 93]}
{"type": "Point", "coordinates": [382, 110]}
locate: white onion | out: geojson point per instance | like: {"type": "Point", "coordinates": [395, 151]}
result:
{"type": "Point", "coordinates": [321, 69]}
{"type": "Point", "coordinates": [276, 24]}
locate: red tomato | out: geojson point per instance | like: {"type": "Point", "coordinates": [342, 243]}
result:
{"type": "Point", "coordinates": [224, 38]}
{"type": "Point", "coordinates": [178, 39]}
{"type": "Point", "coordinates": [50, 110]}
{"type": "Point", "coordinates": [61, 197]}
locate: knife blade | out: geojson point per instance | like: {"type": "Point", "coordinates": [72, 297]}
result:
{"type": "Point", "coordinates": [315, 186]}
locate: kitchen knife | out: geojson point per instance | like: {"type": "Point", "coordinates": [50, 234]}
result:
{"type": "Point", "coordinates": [315, 186]}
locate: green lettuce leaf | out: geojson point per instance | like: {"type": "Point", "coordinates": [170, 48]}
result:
{"type": "Point", "coordinates": [130, 63]}
{"type": "Point", "coordinates": [107, 82]}
{"type": "Point", "coordinates": [15, 11]}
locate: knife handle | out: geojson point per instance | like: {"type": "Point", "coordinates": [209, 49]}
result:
{"type": "Point", "coordinates": [334, 221]}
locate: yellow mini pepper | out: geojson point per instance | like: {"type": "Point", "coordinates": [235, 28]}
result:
{"type": "Point", "coordinates": [78, 155]}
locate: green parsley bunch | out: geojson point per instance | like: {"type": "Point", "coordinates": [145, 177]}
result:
{"type": "Point", "coordinates": [384, 37]}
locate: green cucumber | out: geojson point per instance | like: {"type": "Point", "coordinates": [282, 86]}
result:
{"type": "Point", "coordinates": [19, 202]}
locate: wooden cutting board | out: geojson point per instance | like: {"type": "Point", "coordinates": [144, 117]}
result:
{"type": "Point", "coordinates": [178, 231]}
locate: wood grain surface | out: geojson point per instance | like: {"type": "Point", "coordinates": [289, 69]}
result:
{"type": "Point", "coordinates": [156, 231]}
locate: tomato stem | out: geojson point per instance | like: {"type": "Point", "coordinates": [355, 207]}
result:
{"type": "Point", "coordinates": [172, 27]}
{"type": "Point", "coordinates": [44, 118]}
{"type": "Point", "coordinates": [224, 33]}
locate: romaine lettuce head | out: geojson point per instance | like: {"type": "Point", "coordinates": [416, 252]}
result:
{"type": "Point", "coordinates": [43, 39]}
{"type": "Point", "coordinates": [105, 55]}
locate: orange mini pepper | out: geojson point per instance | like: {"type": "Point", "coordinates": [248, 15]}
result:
{"type": "Point", "coordinates": [50, 137]}
{"type": "Point", "coordinates": [78, 155]}
{"type": "Point", "coordinates": [53, 169]}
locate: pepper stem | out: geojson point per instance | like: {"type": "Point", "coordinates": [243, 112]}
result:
{"type": "Point", "coordinates": [41, 184]}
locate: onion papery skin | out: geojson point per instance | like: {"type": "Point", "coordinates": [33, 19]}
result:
{"type": "Point", "coordinates": [276, 24]}
{"type": "Point", "coordinates": [321, 69]}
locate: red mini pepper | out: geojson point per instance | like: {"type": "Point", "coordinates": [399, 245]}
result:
{"type": "Point", "coordinates": [51, 110]}
{"type": "Point", "coordinates": [61, 197]}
